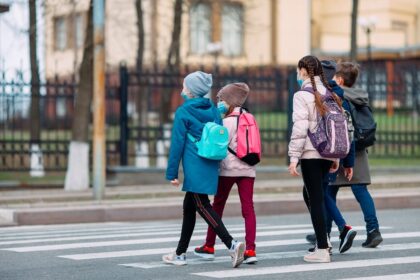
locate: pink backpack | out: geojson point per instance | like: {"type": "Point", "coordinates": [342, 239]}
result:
{"type": "Point", "coordinates": [248, 138]}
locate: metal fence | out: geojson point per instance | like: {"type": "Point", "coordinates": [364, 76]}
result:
{"type": "Point", "coordinates": [56, 102]}
{"type": "Point", "coordinates": [394, 93]}
{"type": "Point", "coordinates": [148, 133]}
{"type": "Point", "coordinates": [138, 132]}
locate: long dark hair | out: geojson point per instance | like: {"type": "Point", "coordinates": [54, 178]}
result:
{"type": "Point", "coordinates": [313, 66]}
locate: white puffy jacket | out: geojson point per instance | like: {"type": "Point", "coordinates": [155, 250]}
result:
{"type": "Point", "coordinates": [304, 118]}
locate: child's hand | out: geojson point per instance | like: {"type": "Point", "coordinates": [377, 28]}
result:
{"type": "Point", "coordinates": [334, 166]}
{"type": "Point", "coordinates": [175, 183]}
{"type": "Point", "coordinates": [348, 173]}
{"type": "Point", "coordinates": [293, 169]}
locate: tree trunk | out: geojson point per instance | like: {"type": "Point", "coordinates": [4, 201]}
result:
{"type": "Point", "coordinates": [171, 78]}
{"type": "Point", "coordinates": [353, 48]}
{"type": "Point", "coordinates": [140, 34]}
{"type": "Point", "coordinates": [142, 148]}
{"type": "Point", "coordinates": [37, 168]}
{"type": "Point", "coordinates": [77, 176]}
{"type": "Point", "coordinates": [141, 100]}
{"type": "Point", "coordinates": [83, 97]}
{"type": "Point", "coordinates": [172, 62]}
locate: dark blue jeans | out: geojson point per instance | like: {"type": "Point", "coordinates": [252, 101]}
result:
{"type": "Point", "coordinates": [365, 200]}
{"type": "Point", "coordinates": [332, 212]}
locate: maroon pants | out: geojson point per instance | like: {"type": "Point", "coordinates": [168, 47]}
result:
{"type": "Point", "coordinates": [246, 191]}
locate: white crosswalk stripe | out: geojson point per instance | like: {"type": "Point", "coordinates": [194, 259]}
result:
{"type": "Point", "coordinates": [307, 267]}
{"type": "Point", "coordinates": [261, 244]}
{"type": "Point", "coordinates": [116, 233]}
{"type": "Point", "coordinates": [281, 255]}
{"type": "Point", "coordinates": [146, 242]}
{"type": "Point", "coordinates": [405, 276]}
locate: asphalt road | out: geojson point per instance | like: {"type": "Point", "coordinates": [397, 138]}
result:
{"type": "Point", "coordinates": [134, 250]}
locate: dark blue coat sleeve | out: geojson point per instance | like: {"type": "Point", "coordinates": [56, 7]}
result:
{"type": "Point", "coordinates": [348, 161]}
{"type": "Point", "coordinates": [178, 138]}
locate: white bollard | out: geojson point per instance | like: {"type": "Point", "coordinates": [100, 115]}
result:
{"type": "Point", "coordinates": [167, 131]}
{"type": "Point", "coordinates": [77, 176]}
{"type": "Point", "coordinates": [37, 162]}
{"type": "Point", "coordinates": [161, 161]}
{"type": "Point", "coordinates": [142, 155]}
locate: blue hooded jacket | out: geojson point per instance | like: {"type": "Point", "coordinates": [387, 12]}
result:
{"type": "Point", "coordinates": [200, 174]}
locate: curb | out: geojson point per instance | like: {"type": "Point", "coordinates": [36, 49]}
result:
{"type": "Point", "coordinates": [173, 210]}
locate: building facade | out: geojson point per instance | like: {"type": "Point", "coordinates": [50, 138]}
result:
{"type": "Point", "coordinates": [237, 32]}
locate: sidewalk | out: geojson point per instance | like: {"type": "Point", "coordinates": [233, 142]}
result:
{"type": "Point", "coordinates": [391, 188]}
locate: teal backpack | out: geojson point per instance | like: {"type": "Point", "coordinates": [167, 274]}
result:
{"type": "Point", "coordinates": [213, 143]}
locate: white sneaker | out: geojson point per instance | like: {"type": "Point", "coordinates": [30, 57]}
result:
{"type": "Point", "coordinates": [318, 256]}
{"type": "Point", "coordinates": [174, 259]}
{"type": "Point", "coordinates": [237, 251]}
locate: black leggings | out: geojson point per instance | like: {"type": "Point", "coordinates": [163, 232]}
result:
{"type": "Point", "coordinates": [195, 202]}
{"type": "Point", "coordinates": [314, 172]}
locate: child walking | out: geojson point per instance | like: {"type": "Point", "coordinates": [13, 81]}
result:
{"type": "Point", "coordinates": [233, 171]}
{"type": "Point", "coordinates": [346, 76]}
{"type": "Point", "coordinates": [315, 168]}
{"type": "Point", "coordinates": [200, 174]}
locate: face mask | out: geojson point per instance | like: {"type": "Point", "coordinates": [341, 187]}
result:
{"type": "Point", "coordinates": [184, 95]}
{"type": "Point", "coordinates": [221, 106]}
{"type": "Point", "coordinates": [299, 80]}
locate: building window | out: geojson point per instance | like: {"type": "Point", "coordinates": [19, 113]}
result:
{"type": "Point", "coordinates": [60, 33]}
{"type": "Point", "coordinates": [232, 29]}
{"type": "Point", "coordinates": [79, 26]}
{"type": "Point", "coordinates": [200, 27]}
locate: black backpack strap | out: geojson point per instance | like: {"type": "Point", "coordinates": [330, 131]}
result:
{"type": "Point", "coordinates": [231, 151]}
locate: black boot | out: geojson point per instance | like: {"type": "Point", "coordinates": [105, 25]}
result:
{"type": "Point", "coordinates": [373, 239]}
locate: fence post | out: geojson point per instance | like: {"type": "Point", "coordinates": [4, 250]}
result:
{"type": "Point", "coordinates": [291, 88]}
{"type": "Point", "coordinates": [390, 88]}
{"type": "Point", "coordinates": [123, 114]}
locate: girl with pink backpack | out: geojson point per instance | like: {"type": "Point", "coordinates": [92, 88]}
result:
{"type": "Point", "coordinates": [238, 167]}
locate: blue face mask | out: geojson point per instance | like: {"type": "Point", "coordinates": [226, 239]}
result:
{"type": "Point", "coordinates": [184, 95]}
{"type": "Point", "coordinates": [221, 106]}
{"type": "Point", "coordinates": [299, 81]}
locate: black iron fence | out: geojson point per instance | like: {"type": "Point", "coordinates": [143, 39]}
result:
{"type": "Point", "coordinates": [140, 107]}
{"type": "Point", "coordinates": [394, 93]}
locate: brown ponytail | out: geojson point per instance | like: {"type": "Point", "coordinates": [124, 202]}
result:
{"type": "Point", "coordinates": [314, 68]}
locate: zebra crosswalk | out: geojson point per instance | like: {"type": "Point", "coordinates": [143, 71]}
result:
{"type": "Point", "coordinates": [280, 248]}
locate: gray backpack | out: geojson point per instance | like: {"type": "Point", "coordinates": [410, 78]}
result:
{"type": "Point", "coordinates": [331, 136]}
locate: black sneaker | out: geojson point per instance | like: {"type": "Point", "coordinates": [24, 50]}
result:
{"type": "Point", "coordinates": [374, 238]}
{"type": "Point", "coordinates": [311, 238]}
{"type": "Point", "coordinates": [346, 238]}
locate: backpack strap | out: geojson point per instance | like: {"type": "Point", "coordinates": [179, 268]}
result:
{"type": "Point", "coordinates": [191, 138]}
{"type": "Point", "coordinates": [232, 151]}
{"type": "Point", "coordinates": [235, 115]}
{"type": "Point", "coordinates": [311, 90]}
{"type": "Point", "coordinates": [308, 89]}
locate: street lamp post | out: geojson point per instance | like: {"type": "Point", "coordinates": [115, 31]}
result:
{"type": "Point", "coordinates": [99, 154]}
{"type": "Point", "coordinates": [368, 24]}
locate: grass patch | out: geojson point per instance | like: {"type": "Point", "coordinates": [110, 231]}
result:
{"type": "Point", "coordinates": [25, 178]}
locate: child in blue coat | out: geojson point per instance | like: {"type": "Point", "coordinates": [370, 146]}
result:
{"type": "Point", "coordinates": [200, 174]}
